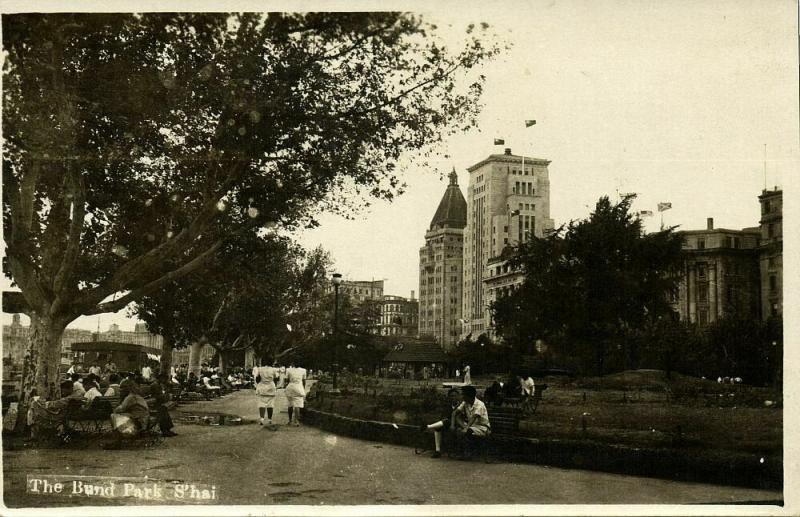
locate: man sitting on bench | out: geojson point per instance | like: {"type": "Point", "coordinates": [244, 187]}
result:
{"type": "Point", "coordinates": [446, 423]}
{"type": "Point", "coordinates": [471, 419]}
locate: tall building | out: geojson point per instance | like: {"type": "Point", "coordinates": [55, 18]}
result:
{"type": "Point", "coordinates": [440, 269]}
{"type": "Point", "coordinates": [398, 316]}
{"type": "Point", "coordinates": [733, 273]}
{"type": "Point", "coordinates": [508, 200]}
{"type": "Point", "coordinates": [770, 252]}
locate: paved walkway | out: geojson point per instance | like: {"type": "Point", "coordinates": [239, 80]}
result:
{"type": "Point", "coordinates": [303, 465]}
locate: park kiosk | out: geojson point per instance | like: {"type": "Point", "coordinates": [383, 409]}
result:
{"type": "Point", "coordinates": [128, 357]}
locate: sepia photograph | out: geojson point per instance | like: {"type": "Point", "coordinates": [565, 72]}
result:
{"type": "Point", "coordinates": [458, 258]}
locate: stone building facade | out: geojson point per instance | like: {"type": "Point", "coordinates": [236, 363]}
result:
{"type": "Point", "coordinates": [440, 269]}
{"type": "Point", "coordinates": [399, 316]}
{"type": "Point", "coordinates": [508, 200]}
{"type": "Point", "coordinates": [733, 273]}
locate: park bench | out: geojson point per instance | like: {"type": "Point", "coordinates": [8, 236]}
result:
{"type": "Point", "coordinates": [96, 419]}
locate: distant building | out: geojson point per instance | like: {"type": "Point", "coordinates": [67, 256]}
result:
{"type": "Point", "coordinates": [139, 336]}
{"type": "Point", "coordinates": [15, 339]}
{"type": "Point", "coordinates": [720, 275]}
{"type": "Point", "coordinates": [733, 273]}
{"type": "Point", "coordinates": [499, 280]}
{"type": "Point", "coordinates": [398, 316]}
{"type": "Point", "coordinates": [440, 269]}
{"type": "Point", "coordinates": [508, 201]}
{"type": "Point", "coordinates": [770, 253]}
{"type": "Point", "coordinates": [360, 291]}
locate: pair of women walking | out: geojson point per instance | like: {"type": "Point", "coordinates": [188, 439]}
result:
{"type": "Point", "coordinates": [266, 390]}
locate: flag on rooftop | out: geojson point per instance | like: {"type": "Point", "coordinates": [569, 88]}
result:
{"type": "Point", "coordinates": [499, 141]}
{"type": "Point", "coordinates": [664, 206]}
{"type": "Point", "coordinates": [529, 123]}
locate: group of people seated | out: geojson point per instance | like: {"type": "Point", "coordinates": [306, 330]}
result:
{"type": "Point", "coordinates": [125, 392]}
{"type": "Point", "coordinates": [209, 382]}
{"type": "Point", "coordinates": [515, 387]}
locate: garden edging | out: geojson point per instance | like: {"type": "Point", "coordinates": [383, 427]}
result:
{"type": "Point", "coordinates": [721, 467]}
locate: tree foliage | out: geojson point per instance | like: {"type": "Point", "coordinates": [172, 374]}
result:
{"type": "Point", "coordinates": [138, 144]}
{"type": "Point", "coordinates": [258, 292]}
{"type": "Point", "coordinates": [587, 284]}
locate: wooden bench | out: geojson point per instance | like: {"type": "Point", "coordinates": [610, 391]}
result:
{"type": "Point", "coordinates": [96, 418]}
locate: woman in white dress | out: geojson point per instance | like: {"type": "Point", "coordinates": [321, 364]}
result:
{"type": "Point", "coordinates": [467, 376]}
{"type": "Point", "coordinates": [295, 392]}
{"type": "Point", "coordinates": [265, 390]}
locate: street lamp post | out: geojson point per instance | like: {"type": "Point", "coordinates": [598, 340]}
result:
{"type": "Point", "coordinates": [337, 280]}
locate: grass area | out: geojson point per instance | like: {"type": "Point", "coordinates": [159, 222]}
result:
{"type": "Point", "coordinates": [641, 408]}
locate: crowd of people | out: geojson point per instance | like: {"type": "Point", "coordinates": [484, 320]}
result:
{"type": "Point", "coordinates": [130, 394]}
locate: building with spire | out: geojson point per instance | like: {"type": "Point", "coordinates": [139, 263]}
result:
{"type": "Point", "coordinates": [508, 200]}
{"type": "Point", "coordinates": [440, 269]}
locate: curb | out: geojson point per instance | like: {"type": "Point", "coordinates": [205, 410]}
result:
{"type": "Point", "coordinates": [731, 469]}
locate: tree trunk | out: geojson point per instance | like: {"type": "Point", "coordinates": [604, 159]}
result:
{"type": "Point", "coordinates": [40, 366]}
{"type": "Point", "coordinates": [223, 362]}
{"type": "Point", "coordinates": [166, 355]}
{"type": "Point", "coordinates": [194, 357]}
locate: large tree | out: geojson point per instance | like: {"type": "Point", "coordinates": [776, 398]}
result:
{"type": "Point", "coordinates": [586, 283]}
{"type": "Point", "coordinates": [136, 144]}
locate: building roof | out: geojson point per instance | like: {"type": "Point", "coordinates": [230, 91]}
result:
{"type": "Point", "coordinates": [452, 211]}
{"type": "Point", "coordinates": [107, 346]}
{"type": "Point", "coordinates": [413, 351]}
{"type": "Point", "coordinates": [510, 158]}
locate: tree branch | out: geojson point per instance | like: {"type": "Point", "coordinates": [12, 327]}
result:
{"type": "Point", "coordinates": [190, 266]}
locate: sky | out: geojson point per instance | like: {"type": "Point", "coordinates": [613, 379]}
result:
{"type": "Point", "coordinates": [672, 100]}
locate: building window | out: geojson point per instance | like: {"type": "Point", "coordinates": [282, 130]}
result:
{"type": "Point", "coordinates": [771, 230]}
{"type": "Point", "coordinates": [736, 242]}
{"type": "Point", "coordinates": [702, 293]}
{"type": "Point", "coordinates": [701, 271]}
{"type": "Point", "coordinates": [702, 317]}
{"type": "Point", "coordinates": [773, 283]}
{"type": "Point", "coordinates": [771, 262]}
{"type": "Point", "coordinates": [728, 242]}
{"type": "Point", "coordinates": [701, 244]}
{"type": "Point", "coordinates": [774, 309]}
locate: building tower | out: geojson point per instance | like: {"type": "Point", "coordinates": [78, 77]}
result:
{"type": "Point", "coordinates": [508, 200]}
{"type": "Point", "coordinates": [440, 274]}
{"type": "Point", "coordinates": [771, 253]}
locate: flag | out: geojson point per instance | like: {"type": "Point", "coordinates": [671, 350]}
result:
{"type": "Point", "coordinates": [646, 213]}
{"type": "Point", "coordinates": [664, 206]}
{"type": "Point", "coordinates": [499, 141]}
{"type": "Point", "coordinates": [529, 123]}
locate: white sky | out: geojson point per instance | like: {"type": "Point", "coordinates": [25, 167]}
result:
{"type": "Point", "coordinates": [673, 100]}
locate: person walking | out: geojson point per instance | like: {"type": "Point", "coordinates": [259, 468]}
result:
{"type": "Point", "coordinates": [266, 391]}
{"type": "Point", "coordinates": [467, 376]}
{"type": "Point", "coordinates": [295, 392]}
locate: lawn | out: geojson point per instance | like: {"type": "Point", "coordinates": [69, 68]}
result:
{"type": "Point", "coordinates": [640, 408]}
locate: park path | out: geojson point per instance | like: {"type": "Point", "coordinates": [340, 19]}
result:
{"type": "Point", "coordinates": [303, 465]}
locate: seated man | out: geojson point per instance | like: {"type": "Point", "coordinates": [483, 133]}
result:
{"type": "Point", "coordinates": [473, 423]}
{"type": "Point", "coordinates": [47, 416]}
{"type": "Point", "coordinates": [448, 421]}
{"type": "Point", "coordinates": [132, 406]}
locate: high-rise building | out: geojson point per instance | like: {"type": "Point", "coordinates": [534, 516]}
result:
{"type": "Point", "coordinates": [770, 252]}
{"type": "Point", "coordinates": [508, 200]}
{"type": "Point", "coordinates": [440, 269]}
